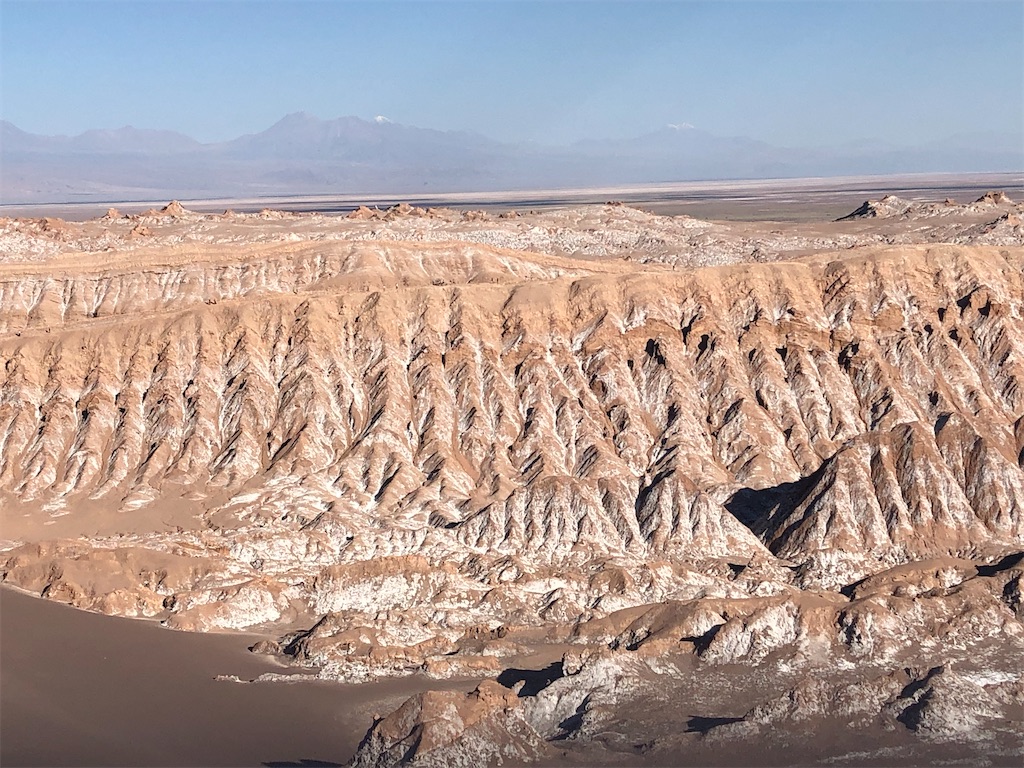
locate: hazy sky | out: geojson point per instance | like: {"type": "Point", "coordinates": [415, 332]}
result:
{"type": "Point", "coordinates": [790, 73]}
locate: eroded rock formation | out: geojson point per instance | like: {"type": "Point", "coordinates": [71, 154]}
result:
{"type": "Point", "coordinates": [446, 457]}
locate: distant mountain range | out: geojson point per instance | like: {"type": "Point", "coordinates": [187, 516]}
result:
{"type": "Point", "coordinates": [304, 155]}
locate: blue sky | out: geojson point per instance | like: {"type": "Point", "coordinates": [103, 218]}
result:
{"type": "Point", "coordinates": [796, 73]}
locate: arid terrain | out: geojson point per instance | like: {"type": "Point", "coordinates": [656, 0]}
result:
{"type": "Point", "coordinates": [587, 484]}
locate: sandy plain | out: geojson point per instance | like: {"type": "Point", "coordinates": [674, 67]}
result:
{"type": "Point", "coordinates": [810, 199]}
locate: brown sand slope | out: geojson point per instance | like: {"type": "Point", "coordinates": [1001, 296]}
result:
{"type": "Point", "coordinates": [80, 689]}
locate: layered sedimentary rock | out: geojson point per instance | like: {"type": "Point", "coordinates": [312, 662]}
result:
{"type": "Point", "coordinates": [440, 457]}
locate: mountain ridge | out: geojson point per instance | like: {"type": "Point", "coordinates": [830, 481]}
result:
{"type": "Point", "coordinates": [304, 154]}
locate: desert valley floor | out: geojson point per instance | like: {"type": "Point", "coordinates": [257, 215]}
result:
{"type": "Point", "coordinates": [579, 485]}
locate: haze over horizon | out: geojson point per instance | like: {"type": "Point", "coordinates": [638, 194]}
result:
{"type": "Point", "coordinates": [301, 154]}
{"type": "Point", "coordinates": [791, 74]}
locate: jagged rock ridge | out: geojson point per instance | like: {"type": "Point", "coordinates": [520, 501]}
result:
{"type": "Point", "coordinates": [588, 411]}
{"type": "Point", "coordinates": [435, 457]}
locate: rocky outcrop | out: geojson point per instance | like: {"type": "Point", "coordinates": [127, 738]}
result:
{"type": "Point", "coordinates": [995, 197]}
{"type": "Point", "coordinates": [893, 207]}
{"type": "Point", "coordinates": [442, 458]}
{"type": "Point", "coordinates": [886, 207]}
{"type": "Point", "coordinates": [828, 411]}
{"type": "Point", "coordinates": [446, 728]}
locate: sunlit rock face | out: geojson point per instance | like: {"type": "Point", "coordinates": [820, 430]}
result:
{"type": "Point", "coordinates": [429, 442]}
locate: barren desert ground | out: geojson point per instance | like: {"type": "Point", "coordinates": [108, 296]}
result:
{"type": "Point", "coordinates": [83, 689]}
{"type": "Point", "coordinates": [554, 480]}
{"type": "Point", "coordinates": [810, 199]}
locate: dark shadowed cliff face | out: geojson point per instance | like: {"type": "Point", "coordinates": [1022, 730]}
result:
{"type": "Point", "coordinates": [442, 456]}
